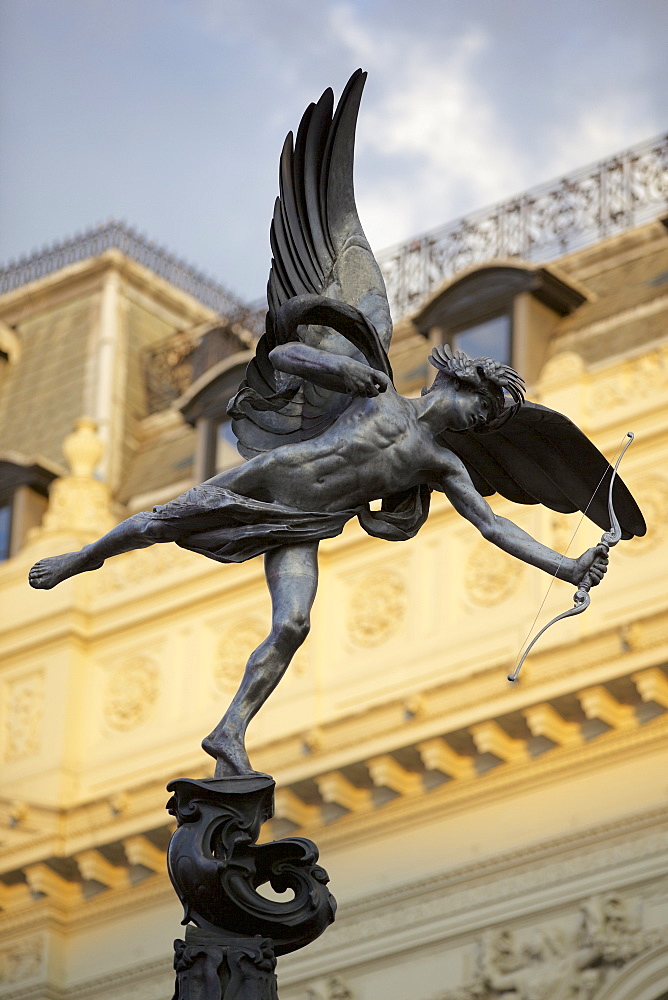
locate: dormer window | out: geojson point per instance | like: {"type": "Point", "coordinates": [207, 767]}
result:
{"type": "Point", "coordinates": [501, 311]}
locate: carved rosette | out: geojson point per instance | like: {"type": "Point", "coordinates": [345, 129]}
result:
{"type": "Point", "coordinates": [24, 701]}
{"type": "Point", "coordinates": [376, 608]}
{"type": "Point", "coordinates": [490, 575]}
{"type": "Point", "coordinates": [132, 691]}
{"type": "Point", "coordinates": [216, 866]}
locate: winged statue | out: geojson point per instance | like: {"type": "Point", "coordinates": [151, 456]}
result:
{"type": "Point", "coordinates": [325, 432]}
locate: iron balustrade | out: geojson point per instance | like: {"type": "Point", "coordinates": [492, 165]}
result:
{"type": "Point", "coordinates": [539, 225]}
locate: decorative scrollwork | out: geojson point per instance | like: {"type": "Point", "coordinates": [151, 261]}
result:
{"type": "Point", "coordinates": [216, 867]}
{"type": "Point", "coordinates": [542, 224]}
{"type": "Point", "coordinates": [207, 969]}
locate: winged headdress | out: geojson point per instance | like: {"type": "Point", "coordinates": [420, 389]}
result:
{"type": "Point", "coordinates": [325, 289]}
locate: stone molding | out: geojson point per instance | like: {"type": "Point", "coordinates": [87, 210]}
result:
{"type": "Point", "coordinates": [149, 981]}
{"type": "Point", "coordinates": [452, 903]}
{"type": "Point", "coordinates": [364, 817]}
{"type": "Point", "coordinates": [522, 886]}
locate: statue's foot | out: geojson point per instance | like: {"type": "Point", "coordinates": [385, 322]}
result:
{"type": "Point", "coordinates": [49, 572]}
{"type": "Point", "coordinates": [229, 753]}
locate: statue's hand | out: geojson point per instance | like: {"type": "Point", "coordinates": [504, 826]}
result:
{"type": "Point", "coordinates": [592, 564]}
{"type": "Point", "coordinates": [362, 381]}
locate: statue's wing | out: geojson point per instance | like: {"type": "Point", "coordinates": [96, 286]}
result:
{"type": "Point", "coordinates": [540, 456]}
{"type": "Point", "coordinates": [320, 253]}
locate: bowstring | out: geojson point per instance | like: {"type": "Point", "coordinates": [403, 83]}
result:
{"type": "Point", "coordinates": [564, 554]}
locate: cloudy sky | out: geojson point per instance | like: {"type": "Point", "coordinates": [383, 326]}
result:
{"type": "Point", "coordinates": [170, 114]}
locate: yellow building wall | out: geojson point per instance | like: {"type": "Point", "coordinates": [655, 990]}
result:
{"type": "Point", "coordinates": [448, 805]}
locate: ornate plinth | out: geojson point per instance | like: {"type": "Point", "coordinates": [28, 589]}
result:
{"type": "Point", "coordinates": [216, 867]}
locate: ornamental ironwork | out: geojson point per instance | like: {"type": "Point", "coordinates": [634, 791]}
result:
{"type": "Point", "coordinates": [173, 364]}
{"type": "Point", "coordinates": [116, 235]}
{"type": "Point", "coordinates": [543, 223]}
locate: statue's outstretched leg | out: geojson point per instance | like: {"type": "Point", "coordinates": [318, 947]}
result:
{"type": "Point", "coordinates": [137, 532]}
{"type": "Point", "coordinates": [292, 578]}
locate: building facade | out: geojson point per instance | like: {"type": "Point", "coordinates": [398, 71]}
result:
{"type": "Point", "coordinates": [484, 841]}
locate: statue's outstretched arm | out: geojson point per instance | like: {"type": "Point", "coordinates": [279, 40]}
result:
{"type": "Point", "coordinates": [456, 483]}
{"type": "Point", "coordinates": [330, 371]}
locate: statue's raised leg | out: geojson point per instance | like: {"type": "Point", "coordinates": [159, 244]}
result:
{"type": "Point", "coordinates": [136, 532]}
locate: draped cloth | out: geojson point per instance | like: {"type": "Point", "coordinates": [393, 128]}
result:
{"type": "Point", "coordinates": [231, 528]}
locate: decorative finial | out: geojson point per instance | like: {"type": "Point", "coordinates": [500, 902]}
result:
{"type": "Point", "coordinates": [83, 448]}
{"type": "Point", "coordinates": [79, 503]}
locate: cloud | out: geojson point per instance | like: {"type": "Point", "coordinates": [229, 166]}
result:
{"type": "Point", "coordinates": [595, 131]}
{"type": "Point", "coordinates": [434, 131]}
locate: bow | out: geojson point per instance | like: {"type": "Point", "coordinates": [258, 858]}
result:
{"type": "Point", "coordinates": [581, 598]}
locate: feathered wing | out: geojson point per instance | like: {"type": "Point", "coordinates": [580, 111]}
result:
{"type": "Point", "coordinates": [540, 456]}
{"type": "Point", "coordinates": [325, 287]}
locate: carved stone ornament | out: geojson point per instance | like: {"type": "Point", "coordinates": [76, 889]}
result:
{"type": "Point", "coordinates": [132, 691]}
{"type": "Point", "coordinates": [652, 494]}
{"type": "Point", "coordinates": [24, 700]}
{"type": "Point", "coordinates": [553, 963]}
{"type": "Point", "coordinates": [235, 646]}
{"type": "Point", "coordinates": [21, 961]}
{"type": "Point", "coordinates": [376, 608]}
{"type": "Point", "coordinates": [233, 649]}
{"type": "Point", "coordinates": [216, 868]}
{"type": "Point", "coordinates": [79, 502]}
{"type": "Point", "coordinates": [564, 368]}
{"type": "Point", "coordinates": [490, 576]}
{"type": "Point", "coordinates": [333, 988]}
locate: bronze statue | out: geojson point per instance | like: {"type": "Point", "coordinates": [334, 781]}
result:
{"type": "Point", "coordinates": [325, 432]}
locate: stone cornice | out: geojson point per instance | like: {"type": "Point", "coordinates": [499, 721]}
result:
{"type": "Point", "coordinates": [80, 834]}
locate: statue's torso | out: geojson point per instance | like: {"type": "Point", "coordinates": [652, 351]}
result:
{"type": "Point", "coordinates": [375, 448]}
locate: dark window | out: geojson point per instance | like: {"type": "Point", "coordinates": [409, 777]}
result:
{"type": "Point", "coordinates": [501, 311]}
{"type": "Point", "coordinates": [5, 530]}
{"type": "Point", "coordinates": [491, 338]}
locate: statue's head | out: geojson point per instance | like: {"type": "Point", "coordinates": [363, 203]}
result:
{"type": "Point", "coordinates": [499, 385]}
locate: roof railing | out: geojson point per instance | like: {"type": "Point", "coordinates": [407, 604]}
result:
{"type": "Point", "coordinates": [548, 221]}
{"type": "Point", "coordinates": [117, 235]}
{"type": "Point", "coordinates": [541, 224]}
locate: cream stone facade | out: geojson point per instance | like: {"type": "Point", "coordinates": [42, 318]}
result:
{"type": "Point", "coordinates": [484, 841]}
